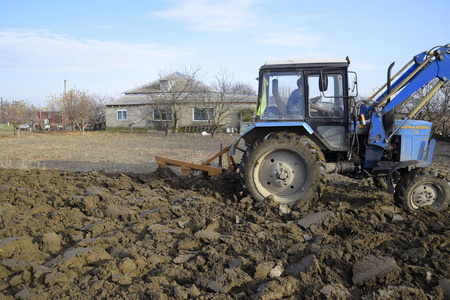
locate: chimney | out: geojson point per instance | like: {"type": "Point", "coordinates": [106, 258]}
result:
{"type": "Point", "coordinates": [165, 85]}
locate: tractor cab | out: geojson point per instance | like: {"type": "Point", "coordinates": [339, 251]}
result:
{"type": "Point", "coordinates": [307, 92]}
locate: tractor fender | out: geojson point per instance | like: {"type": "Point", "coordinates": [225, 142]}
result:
{"type": "Point", "coordinates": [254, 132]}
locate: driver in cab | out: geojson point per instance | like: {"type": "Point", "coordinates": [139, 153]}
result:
{"type": "Point", "coordinates": [294, 104]}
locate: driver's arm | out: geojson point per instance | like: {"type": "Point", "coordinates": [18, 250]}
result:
{"type": "Point", "coordinates": [318, 107]}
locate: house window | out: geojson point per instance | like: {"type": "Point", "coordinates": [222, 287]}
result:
{"type": "Point", "coordinates": [162, 115]}
{"type": "Point", "coordinates": [203, 114]}
{"type": "Point", "coordinates": [121, 115]}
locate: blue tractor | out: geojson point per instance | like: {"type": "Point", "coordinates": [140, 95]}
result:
{"type": "Point", "coordinates": [308, 124]}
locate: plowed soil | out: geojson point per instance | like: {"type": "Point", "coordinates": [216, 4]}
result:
{"type": "Point", "coordinates": [68, 234]}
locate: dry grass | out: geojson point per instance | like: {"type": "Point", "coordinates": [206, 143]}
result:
{"type": "Point", "coordinates": [110, 152]}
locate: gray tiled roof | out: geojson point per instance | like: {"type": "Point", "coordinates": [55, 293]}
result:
{"type": "Point", "coordinates": [133, 99]}
{"type": "Point", "coordinates": [146, 94]}
{"type": "Point", "coordinates": [179, 82]}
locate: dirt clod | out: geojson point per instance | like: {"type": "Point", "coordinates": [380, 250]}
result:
{"type": "Point", "coordinates": [97, 235]}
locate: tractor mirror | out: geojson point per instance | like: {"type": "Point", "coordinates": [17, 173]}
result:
{"type": "Point", "coordinates": [353, 84]}
{"type": "Point", "coordinates": [323, 82]}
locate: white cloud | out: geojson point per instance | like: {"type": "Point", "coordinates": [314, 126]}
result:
{"type": "Point", "coordinates": [212, 15]}
{"type": "Point", "coordinates": [44, 51]}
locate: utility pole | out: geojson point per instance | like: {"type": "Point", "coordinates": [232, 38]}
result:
{"type": "Point", "coordinates": [65, 90]}
{"type": "Point", "coordinates": [2, 111]}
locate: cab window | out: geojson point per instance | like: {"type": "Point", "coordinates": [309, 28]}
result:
{"type": "Point", "coordinates": [282, 96]}
{"type": "Point", "coordinates": [325, 96]}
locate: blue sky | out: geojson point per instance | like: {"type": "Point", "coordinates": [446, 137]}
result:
{"type": "Point", "coordinates": [108, 47]}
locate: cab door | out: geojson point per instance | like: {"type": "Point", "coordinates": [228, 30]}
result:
{"type": "Point", "coordinates": [327, 107]}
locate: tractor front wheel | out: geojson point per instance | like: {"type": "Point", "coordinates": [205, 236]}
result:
{"type": "Point", "coordinates": [289, 167]}
{"type": "Point", "coordinates": [419, 188]}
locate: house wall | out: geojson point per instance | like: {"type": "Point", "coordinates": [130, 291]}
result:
{"type": "Point", "coordinates": [136, 115]}
{"type": "Point", "coordinates": [53, 117]}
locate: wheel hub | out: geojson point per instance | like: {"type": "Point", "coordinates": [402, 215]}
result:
{"type": "Point", "coordinates": [424, 195]}
{"type": "Point", "coordinates": [282, 174]}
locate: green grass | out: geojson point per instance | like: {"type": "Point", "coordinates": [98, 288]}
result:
{"type": "Point", "coordinates": [6, 129]}
{"type": "Point", "coordinates": [9, 130]}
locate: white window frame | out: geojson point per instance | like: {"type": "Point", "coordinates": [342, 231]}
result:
{"type": "Point", "coordinates": [120, 112]}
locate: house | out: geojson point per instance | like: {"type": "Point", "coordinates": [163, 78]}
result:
{"type": "Point", "coordinates": [51, 117]}
{"type": "Point", "coordinates": [50, 120]}
{"type": "Point", "coordinates": [181, 100]}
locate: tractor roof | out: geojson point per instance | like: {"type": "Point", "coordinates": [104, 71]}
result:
{"type": "Point", "coordinates": [299, 63]}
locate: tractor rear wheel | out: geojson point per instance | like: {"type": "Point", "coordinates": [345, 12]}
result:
{"type": "Point", "coordinates": [419, 188]}
{"type": "Point", "coordinates": [289, 167]}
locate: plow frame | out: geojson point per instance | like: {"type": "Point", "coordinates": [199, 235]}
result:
{"type": "Point", "coordinates": [212, 170]}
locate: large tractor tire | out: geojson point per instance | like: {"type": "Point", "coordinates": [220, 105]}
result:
{"type": "Point", "coordinates": [419, 188]}
{"type": "Point", "coordinates": [286, 166]}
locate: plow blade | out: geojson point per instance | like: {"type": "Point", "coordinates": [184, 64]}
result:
{"type": "Point", "coordinates": [212, 170]}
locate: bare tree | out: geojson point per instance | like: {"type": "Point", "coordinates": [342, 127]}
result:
{"type": "Point", "coordinates": [436, 110]}
{"type": "Point", "coordinates": [243, 88]}
{"type": "Point", "coordinates": [2, 111]}
{"type": "Point", "coordinates": [78, 106]}
{"type": "Point", "coordinates": [444, 111]}
{"type": "Point", "coordinates": [174, 93]}
{"type": "Point", "coordinates": [100, 110]}
{"type": "Point", "coordinates": [31, 116]}
{"type": "Point", "coordinates": [222, 104]}
{"type": "Point", "coordinates": [17, 113]}
{"type": "Point", "coordinates": [144, 111]}
{"type": "Point", "coordinates": [163, 113]}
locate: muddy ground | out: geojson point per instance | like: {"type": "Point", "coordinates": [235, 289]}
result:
{"type": "Point", "coordinates": [84, 235]}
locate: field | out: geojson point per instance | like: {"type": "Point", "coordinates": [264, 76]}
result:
{"type": "Point", "coordinates": [91, 216]}
{"type": "Point", "coordinates": [103, 151]}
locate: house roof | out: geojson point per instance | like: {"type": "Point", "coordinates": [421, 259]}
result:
{"type": "Point", "coordinates": [131, 99]}
{"type": "Point", "coordinates": [146, 94]}
{"type": "Point", "coordinates": [176, 82]}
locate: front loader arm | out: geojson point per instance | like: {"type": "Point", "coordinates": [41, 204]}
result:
{"type": "Point", "coordinates": [426, 66]}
